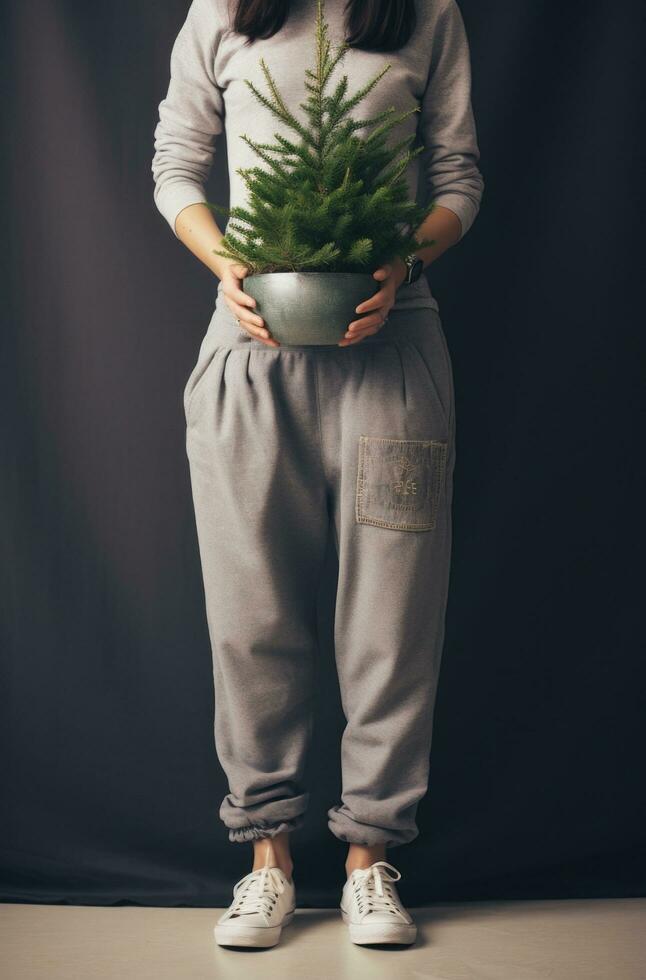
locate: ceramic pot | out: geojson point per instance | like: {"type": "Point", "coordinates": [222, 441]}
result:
{"type": "Point", "coordinates": [309, 307]}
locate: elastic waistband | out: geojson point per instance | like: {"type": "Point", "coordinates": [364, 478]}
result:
{"type": "Point", "coordinates": [402, 324]}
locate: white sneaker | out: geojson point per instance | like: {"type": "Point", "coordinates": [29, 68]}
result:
{"type": "Point", "coordinates": [263, 902]}
{"type": "Point", "coordinates": [371, 907]}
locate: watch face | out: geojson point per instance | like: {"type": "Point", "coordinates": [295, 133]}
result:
{"type": "Point", "coordinates": [416, 269]}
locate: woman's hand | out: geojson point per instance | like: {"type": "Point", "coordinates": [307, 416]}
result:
{"type": "Point", "coordinates": [196, 227]}
{"type": "Point", "coordinates": [378, 306]}
{"type": "Point", "coordinates": [241, 304]}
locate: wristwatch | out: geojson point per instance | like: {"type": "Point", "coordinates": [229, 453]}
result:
{"type": "Point", "coordinates": [414, 265]}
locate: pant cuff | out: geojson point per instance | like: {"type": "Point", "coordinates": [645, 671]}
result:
{"type": "Point", "coordinates": [250, 821]}
{"type": "Point", "coordinates": [352, 831]}
{"type": "Point", "coordinates": [263, 828]}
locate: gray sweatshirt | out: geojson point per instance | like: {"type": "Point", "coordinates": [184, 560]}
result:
{"type": "Point", "coordinates": [207, 94]}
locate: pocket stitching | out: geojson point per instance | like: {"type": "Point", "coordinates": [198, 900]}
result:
{"type": "Point", "coordinates": [439, 452]}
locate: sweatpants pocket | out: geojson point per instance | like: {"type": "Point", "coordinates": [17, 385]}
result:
{"type": "Point", "coordinates": [432, 356]}
{"type": "Point", "coordinates": [399, 482]}
{"type": "Point", "coordinates": [196, 377]}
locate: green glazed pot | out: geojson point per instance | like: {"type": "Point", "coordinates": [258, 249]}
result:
{"type": "Point", "coordinates": [309, 307]}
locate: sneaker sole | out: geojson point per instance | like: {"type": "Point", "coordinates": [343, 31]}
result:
{"type": "Point", "coordinates": [401, 934]}
{"type": "Point", "coordinates": [256, 936]}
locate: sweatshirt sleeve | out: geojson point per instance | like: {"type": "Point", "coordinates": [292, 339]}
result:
{"type": "Point", "coordinates": [446, 125]}
{"type": "Point", "coordinates": [191, 116]}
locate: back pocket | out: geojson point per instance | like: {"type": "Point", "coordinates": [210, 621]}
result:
{"type": "Point", "coordinates": [399, 482]}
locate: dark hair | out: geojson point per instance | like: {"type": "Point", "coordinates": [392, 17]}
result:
{"type": "Point", "coordinates": [374, 25]}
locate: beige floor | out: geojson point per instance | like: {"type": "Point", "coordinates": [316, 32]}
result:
{"type": "Point", "coordinates": [543, 940]}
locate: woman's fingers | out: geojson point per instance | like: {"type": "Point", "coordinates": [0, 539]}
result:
{"type": "Point", "coordinates": [374, 303]}
{"type": "Point", "coordinates": [253, 323]}
{"type": "Point", "coordinates": [375, 309]}
{"type": "Point", "coordinates": [250, 322]}
{"type": "Point", "coordinates": [242, 305]}
{"type": "Point", "coordinates": [383, 296]}
{"type": "Point", "coordinates": [250, 319]}
{"type": "Point", "coordinates": [355, 339]}
{"type": "Point", "coordinates": [236, 294]}
{"type": "Point", "coordinates": [359, 329]}
{"type": "Point", "coordinates": [375, 319]}
{"type": "Point", "coordinates": [233, 291]}
{"type": "Point", "coordinates": [383, 272]}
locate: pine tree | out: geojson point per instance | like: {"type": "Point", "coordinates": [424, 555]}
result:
{"type": "Point", "coordinates": [329, 200]}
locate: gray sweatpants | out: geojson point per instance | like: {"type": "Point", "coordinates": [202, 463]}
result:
{"type": "Point", "coordinates": [285, 444]}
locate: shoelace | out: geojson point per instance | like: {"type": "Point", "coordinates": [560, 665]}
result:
{"type": "Point", "coordinates": [256, 892]}
{"type": "Point", "coordinates": [374, 890]}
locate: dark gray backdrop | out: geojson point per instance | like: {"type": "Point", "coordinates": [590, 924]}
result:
{"type": "Point", "coordinates": [109, 775]}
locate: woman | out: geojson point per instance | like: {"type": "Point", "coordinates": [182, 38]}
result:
{"type": "Point", "coordinates": [286, 444]}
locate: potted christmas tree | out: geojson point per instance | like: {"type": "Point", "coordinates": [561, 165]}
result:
{"type": "Point", "coordinates": [330, 208]}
